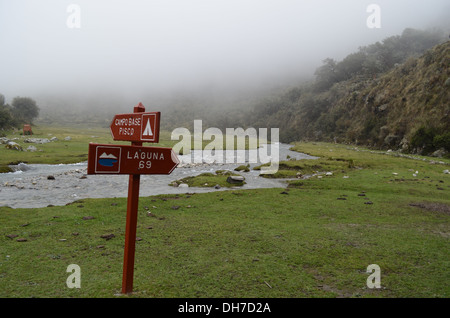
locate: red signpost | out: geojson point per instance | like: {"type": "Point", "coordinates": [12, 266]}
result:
{"type": "Point", "coordinates": [134, 160]}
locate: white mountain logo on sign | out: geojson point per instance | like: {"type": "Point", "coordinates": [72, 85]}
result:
{"type": "Point", "coordinates": [148, 129]}
{"type": "Point", "coordinates": [105, 156]}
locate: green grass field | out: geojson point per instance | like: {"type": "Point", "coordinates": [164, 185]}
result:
{"type": "Point", "coordinates": [314, 238]}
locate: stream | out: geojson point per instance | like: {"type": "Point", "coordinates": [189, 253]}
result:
{"type": "Point", "coordinates": [31, 187]}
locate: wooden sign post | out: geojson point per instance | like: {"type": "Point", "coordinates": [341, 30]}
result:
{"type": "Point", "coordinates": [133, 160]}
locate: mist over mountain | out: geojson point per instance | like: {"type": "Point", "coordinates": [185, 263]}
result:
{"type": "Point", "coordinates": [230, 63]}
{"type": "Point", "coordinates": [122, 52]}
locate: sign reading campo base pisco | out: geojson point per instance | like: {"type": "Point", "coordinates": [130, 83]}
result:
{"type": "Point", "coordinates": [142, 127]}
{"type": "Point", "coordinates": [125, 159]}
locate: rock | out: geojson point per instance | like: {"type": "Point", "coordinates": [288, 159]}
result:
{"type": "Point", "coordinates": [53, 139]}
{"type": "Point", "coordinates": [368, 202]}
{"type": "Point", "coordinates": [13, 146]}
{"type": "Point", "coordinates": [50, 178]}
{"type": "Point", "coordinates": [4, 140]}
{"type": "Point", "coordinates": [243, 168]}
{"type": "Point", "coordinates": [284, 192]}
{"type": "Point", "coordinates": [439, 153]}
{"type": "Point", "coordinates": [329, 173]}
{"type": "Point", "coordinates": [31, 148]}
{"type": "Point", "coordinates": [183, 185]}
{"type": "Point", "coordinates": [36, 140]}
{"type": "Point", "coordinates": [235, 179]}
{"type": "Point", "coordinates": [383, 107]}
{"type": "Point", "coordinates": [21, 240]}
{"type": "Point", "coordinates": [392, 140]}
{"type": "Point", "coordinates": [107, 236]}
{"type": "Point", "coordinates": [175, 207]}
{"type": "Point", "coordinates": [11, 236]}
{"type": "Point", "coordinates": [217, 186]}
{"type": "Point", "coordinates": [23, 167]}
{"type": "Point", "coordinates": [68, 138]}
{"type": "Point", "coordinates": [446, 171]}
{"type": "Point", "coordinates": [447, 82]}
{"type": "Point", "coordinates": [88, 217]}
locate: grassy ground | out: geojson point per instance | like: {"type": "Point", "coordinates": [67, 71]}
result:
{"type": "Point", "coordinates": [313, 239]}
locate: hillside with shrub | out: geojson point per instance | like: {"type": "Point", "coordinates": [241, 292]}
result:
{"type": "Point", "coordinates": [390, 95]}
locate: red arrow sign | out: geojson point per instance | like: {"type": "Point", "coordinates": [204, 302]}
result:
{"type": "Point", "coordinates": [141, 127]}
{"type": "Point", "coordinates": [134, 160]}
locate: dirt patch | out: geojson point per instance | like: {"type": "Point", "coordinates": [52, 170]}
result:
{"type": "Point", "coordinates": [433, 206]}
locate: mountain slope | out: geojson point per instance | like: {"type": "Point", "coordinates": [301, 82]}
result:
{"type": "Point", "coordinates": [389, 110]}
{"type": "Point", "coordinates": [406, 107]}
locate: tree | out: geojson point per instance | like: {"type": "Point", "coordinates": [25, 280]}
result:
{"type": "Point", "coordinates": [24, 109]}
{"type": "Point", "coordinates": [6, 120]}
{"type": "Point", "coordinates": [326, 75]}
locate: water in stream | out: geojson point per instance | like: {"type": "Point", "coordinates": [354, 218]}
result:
{"type": "Point", "coordinates": [29, 187]}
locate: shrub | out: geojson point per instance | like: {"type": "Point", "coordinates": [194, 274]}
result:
{"type": "Point", "coordinates": [442, 141]}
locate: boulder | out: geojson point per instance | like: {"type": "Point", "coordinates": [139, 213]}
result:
{"type": "Point", "coordinates": [13, 146]}
{"type": "Point", "coordinates": [235, 179]}
{"type": "Point", "coordinates": [439, 153]}
{"type": "Point", "coordinates": [23, 166]}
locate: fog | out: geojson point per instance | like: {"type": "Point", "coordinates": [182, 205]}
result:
{"type": "Point", "coordinates": [131, 49]}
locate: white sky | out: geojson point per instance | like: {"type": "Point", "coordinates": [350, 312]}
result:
{"type": "Point", "coordinates": [137, 46]}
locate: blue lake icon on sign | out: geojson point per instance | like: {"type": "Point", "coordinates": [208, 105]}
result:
{"type": "Point", "coordinates": [107, 160]}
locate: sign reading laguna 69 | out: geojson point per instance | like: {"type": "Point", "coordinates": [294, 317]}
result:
{"type": "Point", "coordinates": [133, 160]}
{"type": "Point", "coordinates": [142, 127]}
{"type": "Point", "coordinates": [124, 159]}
